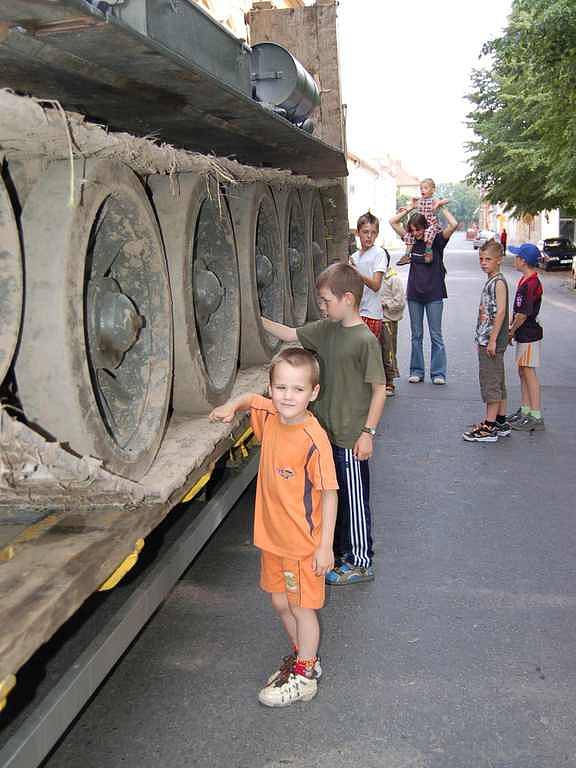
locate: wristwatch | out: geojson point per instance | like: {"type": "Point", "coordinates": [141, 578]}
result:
{"type": "Point", "coordinates": [369, 431]}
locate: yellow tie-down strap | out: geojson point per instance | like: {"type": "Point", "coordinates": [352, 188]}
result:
{"type": "Point", "coordinates": [6, 686]}
{"type": "Point", "coordinates": [198, 485]}
{"type": "Point", "coordinates": [126, 565]}
{"type": "Point", "coordinates": [242, 440]}
{"type": "Point", "coordinates": [31, 533]}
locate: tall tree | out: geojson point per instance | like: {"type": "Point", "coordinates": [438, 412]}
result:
{"type": "Point", "coordinates": [524, 113]}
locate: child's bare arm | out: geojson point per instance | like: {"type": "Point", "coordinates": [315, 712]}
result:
{"type": "Point", "coordinates": [365, 443]}
{"type": "Point", "coordinates": [324, 555]}
{"type": "Point", "coordinates": [396, 221]}
{"type": "Point", "coordinates": [374, 282]}
{"type": "Point", "coordinates": [227, 411]}
{"type": "Point", "coordinates": [501, 294]}
{"type": "Point", "coordinates": [519, 320]}
{"type": "Point", "coordinates": [282, 332]}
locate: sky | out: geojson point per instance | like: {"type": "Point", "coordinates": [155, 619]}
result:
{"type": "Point", "coordinates": [405, 68]}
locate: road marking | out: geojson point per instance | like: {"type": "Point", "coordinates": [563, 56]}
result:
{"type": "Point", "coordinates": [560, 304]}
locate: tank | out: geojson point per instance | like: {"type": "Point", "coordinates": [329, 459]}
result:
{"type": "Point", "coordinates": [152, 209]}
{"type": "Point", "coordinates": [148, 299]}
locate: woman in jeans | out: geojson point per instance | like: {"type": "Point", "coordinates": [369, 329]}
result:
{"type": "Point", "coordinates": [426, 291]}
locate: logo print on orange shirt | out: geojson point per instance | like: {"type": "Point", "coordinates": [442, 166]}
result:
{"type": "Point", "coordinates": [286, 473]}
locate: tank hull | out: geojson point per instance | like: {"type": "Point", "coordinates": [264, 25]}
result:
{"type": "Point", "coordinates": [105, 69]}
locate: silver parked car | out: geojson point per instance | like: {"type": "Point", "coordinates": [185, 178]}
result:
{"type": "Point", "coordinates": [483, 236]}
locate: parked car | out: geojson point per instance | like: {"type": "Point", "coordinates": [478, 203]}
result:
{"type": "Point", "coordinates": [483, 236]}
{"type": "Point", "coordinates": [557, 253]}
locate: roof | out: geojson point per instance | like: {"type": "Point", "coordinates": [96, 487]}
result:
{"type": "Point", "coordinates": [398, 172]}
{"type": "Point", "coordinates": [359, 161]}
{"type": "Point", "coordinates": [405, 179]}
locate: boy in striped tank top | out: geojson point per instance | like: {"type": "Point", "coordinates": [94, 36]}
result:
{"type": "Point", "coordinates": [492, 340]}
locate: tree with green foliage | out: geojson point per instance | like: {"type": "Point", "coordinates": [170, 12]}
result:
{"type": "Point", "coordinates": [464, 201]}
{"type": "Point", "coordinates": [524, 113]}
{"type": "Point", "coordinates": [402, 200]}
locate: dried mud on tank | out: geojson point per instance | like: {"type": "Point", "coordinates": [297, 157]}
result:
{"type": "Point", "coordinates": [31, 128]}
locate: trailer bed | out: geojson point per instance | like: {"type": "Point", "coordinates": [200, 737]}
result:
{"type": "Point", "coordinates": [70, 553]}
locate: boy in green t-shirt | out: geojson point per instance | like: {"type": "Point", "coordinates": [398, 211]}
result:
{"type": "Point", "coordinates": [349, 407]}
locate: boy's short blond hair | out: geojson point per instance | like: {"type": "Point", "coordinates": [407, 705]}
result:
{"type": "Point", "coordinates": [492, 247]}
{"type": "Point", "coordinates": [341, 278]}
{"type": "Point", "coordinates": [430, 181]}
{"type": "Point", "coordinates": [368, 218]}
{"type": "Point", "coordinates": [297, 358]}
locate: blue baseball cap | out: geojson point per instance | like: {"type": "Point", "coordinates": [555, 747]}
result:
{"type": "Point", "coordinates": [528, 252]}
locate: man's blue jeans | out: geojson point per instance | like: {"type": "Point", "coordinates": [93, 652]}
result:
{"type": "Point", "coordinates": [433, 311]}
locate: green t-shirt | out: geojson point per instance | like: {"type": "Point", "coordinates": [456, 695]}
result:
{"type": "Point", "coordinates": [350, 362]}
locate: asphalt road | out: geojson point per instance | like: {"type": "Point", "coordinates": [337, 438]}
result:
{"type": "Point", "coordinates": [459, 655]}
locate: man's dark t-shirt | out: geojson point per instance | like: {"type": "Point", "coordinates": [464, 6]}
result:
{"type": "Point", "coordinates": [426, 282]}
{"type": "Point", "coordinates": [527, 302]}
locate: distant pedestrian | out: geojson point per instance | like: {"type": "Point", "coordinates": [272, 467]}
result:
{"type": "Point", "coordinates": [492, 340]}
{"type": "Point", "coordinates": [427, 205]}
{"type": "Point", "coordinates": [503, 240]}
{"type": "Point", "coordinates": [295, 514]}
{"type": "Point", "coordinates": [527, 332]}
{"type": "Point", "coordinates": [426, 291]}
{"type": "Point", "coordinates": [393, 301]}
{"type": "Point", "coordinates": [370, 261]}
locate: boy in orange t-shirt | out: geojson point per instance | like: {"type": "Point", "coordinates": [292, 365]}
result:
{"type": "Point", "coordinates": [295, 514]}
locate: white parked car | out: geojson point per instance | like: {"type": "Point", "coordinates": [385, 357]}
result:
{"type": "Point", "coordinates": [483, 236]}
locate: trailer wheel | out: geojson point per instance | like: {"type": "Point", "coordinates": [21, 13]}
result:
{"type": "Point", "coordinates": [197, 230]}
{"type": "Point", "coordinates": [262, 269]}
{"type": "Point", "coordinates": [315, 246]}
{"type": "Point", "coordinates": [95, 368]}
{"type": "Point", "coordinates": [11, 289]}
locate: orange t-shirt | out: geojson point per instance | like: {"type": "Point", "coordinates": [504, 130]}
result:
{"type": "Point", "coordinates": [296, 465]}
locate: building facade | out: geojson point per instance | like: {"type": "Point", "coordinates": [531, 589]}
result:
{"type": "Point", "coordinates": [527, 228]}
{"type": "Point", "coordinates": [232, 13]}
{"type": "Point", "coordinates": [372, 188]}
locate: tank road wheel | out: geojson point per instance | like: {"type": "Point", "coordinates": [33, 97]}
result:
{"type": "Point", "coordinates": [316, 246]}
{"type": "Point", "coordinates": [262, 269]}
{"type": "Point", "coordinates": [199, 239]}
{"type": "Point", "coordinates": [11, 289]}
{"type": "Point", "coordinates": [96, 364]}
{"type": "Point", "coordinates": [293, 227]}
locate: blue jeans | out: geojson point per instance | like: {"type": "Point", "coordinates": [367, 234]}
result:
{"type": "Point", "coordinates": [433, 311]}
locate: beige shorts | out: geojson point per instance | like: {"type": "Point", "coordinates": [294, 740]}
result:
{"type": "Point", "coordinates": [528, 354]}
{"type": "Point", "coordinates": [492, 376]}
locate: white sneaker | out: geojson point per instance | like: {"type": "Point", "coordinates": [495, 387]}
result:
{"type": "Point", "coordinates": [439, 380]}
{"type": "Point", "coordinates": [287, 691]}
{"type": "Point", "coordinates": [414, 379]}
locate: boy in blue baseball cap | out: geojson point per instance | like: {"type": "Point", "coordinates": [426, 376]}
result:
{"type": "Point", "coordinates": [527, 333]}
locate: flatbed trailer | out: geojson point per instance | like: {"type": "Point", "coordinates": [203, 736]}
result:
{"type": "Point", "coordinates": [33, 728]}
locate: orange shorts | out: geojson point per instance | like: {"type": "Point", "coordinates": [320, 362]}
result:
{"type": "Point", "coordinates": [293, 577]}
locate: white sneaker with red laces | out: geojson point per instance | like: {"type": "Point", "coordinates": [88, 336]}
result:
{"type": "Point", "coordinates": [286, 691]}
{"type": "Point", "coordinates": [286, 668]}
